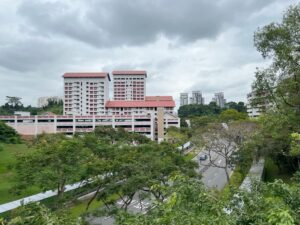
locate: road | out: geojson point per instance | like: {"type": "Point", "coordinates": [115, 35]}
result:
{"type": "Point", "coordinates": [212, 177]}
{"type": "Point", "coordinates": [135, 207]}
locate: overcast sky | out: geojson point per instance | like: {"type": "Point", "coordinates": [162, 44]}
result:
{"type": "Point", "coordinates": [184, 45]}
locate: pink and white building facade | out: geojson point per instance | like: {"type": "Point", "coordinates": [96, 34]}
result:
{"type": "Point", "coordinates": [87, 105]}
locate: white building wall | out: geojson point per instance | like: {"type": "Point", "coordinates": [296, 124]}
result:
{"type": "Point", "coordinates": [81, 91]}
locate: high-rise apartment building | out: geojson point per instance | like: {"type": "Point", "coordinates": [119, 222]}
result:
{"type": "Point", "coordinates": [85, 93]}
{"type": "Point", "coordinates": [184, 99]}
{"type": "Point", "coordinates": [219, 99]}
{"type": "Point", "coordinates": [257, 105]}
{"type": "Point", "coordinates": [197, 98]}
{"type": "Point", "coordinates": [129, 85]}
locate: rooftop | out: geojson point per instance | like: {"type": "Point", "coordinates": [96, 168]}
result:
{"type": "Point", "coordinates": [150, 101]}
{"type": "Point", "coordinates": [129, 72]}
{"type": "Point", "coordinates": [87, 75]}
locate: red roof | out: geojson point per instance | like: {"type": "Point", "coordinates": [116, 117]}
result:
{"type": "Point", "coordinates": [160, 101]}
{"type": "Point", "coordinates": [129, 72]}
{"type": "Point", "coordinates": [159, 98]}
{"type": "Point", "coordinates": [87, 75]}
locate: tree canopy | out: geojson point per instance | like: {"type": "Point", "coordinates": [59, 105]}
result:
{"type": "Point", "coordinates": [8, 134]}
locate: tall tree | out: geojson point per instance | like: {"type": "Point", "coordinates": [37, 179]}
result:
{"type": "Point", "coordinates": [280, 83]}
{"type": "Point", "coordinates": [222, 143]}
{"type": "Point", "coordinates": [14, 101]}
{"type": "Point", "coordinates": [56, 162]}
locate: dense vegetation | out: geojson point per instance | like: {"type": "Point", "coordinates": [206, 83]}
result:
{"type": "Point", "coordinates": [211, 109]}
{"type": "Point", "coordinates": [8, 134]}
{"type": "Point", "coordinates": [14, 104]}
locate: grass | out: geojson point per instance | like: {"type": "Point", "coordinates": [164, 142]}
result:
{"type": "Point", "coordinates": [7, 173]}
{"type": "Point", "coordinates": [236, 180]}
{"type": "Point", "coordinates": [7, 182]}
{"type": "Point", "coordinates": [79, 207]}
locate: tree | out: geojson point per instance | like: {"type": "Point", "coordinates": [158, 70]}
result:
{"type": "Point", "coordinates": [128, 169]}
{"type": "Point", "coordinates": [222, 142]}
{"type": "Point", "coordinates": [295, 147]}
{"type": "Point", "coordinates": [188, 202]}
{"type": "Point", "coordinates": [198, 110]}
{"type": "Point", "coordinates": [38, 214]}
{"type": "Point", "coordinates": [240, 106]}
{"type": "Point", "coordinates": [177, 136]}
{"type": "Point", "coordinates": [56, 162]}
{"type": "Point", "coordinates": [280, 83]}
{"type": "Point", "coordinates": [14, 101]}
{"type": "Point", "coordinates": [231, 115]}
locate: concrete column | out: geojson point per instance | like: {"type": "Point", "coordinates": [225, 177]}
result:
{"type": "Point", "coordinates": [113, 121]}
{"type": "Point", "coordinates": [167, 125]}
{"type": "Point", "coordinates": [35, 125]}
{"type": "Point", "coordinates": [160, 124]}
{"type": "Point", "coordinates": [94, 122]}
{"type": "Point", "coordinates": [152, 126]}
{"type": "Point", "coordinates": [132, 122]}
{"type": "Point", "coordinates": [74, 124]}
{"type": "Point", "coordinates": [16, 121]}
{"type": "Point", "coordinates": [55, 124]}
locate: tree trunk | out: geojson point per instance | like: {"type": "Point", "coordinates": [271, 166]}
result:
{"type": "Point", "coordinates": [92, 199]}
{"type": "Point", "coordinates": [227, 175]}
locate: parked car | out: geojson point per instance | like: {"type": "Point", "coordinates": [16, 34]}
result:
{"type": "Point", "coordinates": [202, 157]}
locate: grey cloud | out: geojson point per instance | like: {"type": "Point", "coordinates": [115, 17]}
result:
{"type": "Point", "coordinates": [108, 23]}
{"type": "Point", "coordinates": [30, 55]}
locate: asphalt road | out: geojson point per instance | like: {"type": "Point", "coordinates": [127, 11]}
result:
{"type": "Point", "coordinates": [135, 207]}
{"type": "Point", "coordinates": [212, 177]}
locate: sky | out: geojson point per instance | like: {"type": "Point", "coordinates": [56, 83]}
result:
{"type": "Point", "coordinates": [184, 45]}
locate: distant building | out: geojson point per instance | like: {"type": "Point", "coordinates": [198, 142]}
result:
{"type": "Point", "coordinates": [197, 98]}
{"type": "Point", "coordinates": [44, 101]}
{"type": "Point", "coordinates": [219, 99]}
{"type": "Point", "coordinates": [85, 93]}
{"type": "Point", "coordinates": [257, 105]}
{"type": "Point", "coordinates": [129, 85]}
{"type": "Point", "coordinates": [184, 99]}
{"type": "Point", "coordinates": [21, 113]}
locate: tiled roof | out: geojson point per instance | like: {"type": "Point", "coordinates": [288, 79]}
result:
{"type": "Point", "coordinates": [129, 72]}
{"type": "Point", "coordinates": [159, 98]}
{"type": "Point", "coordinates": [159, 101]}
{"type": "Point", "coordinates": [87, 75]}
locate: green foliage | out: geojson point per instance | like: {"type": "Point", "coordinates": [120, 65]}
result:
{"type": "Point", "coordinates": [240, 106]}
{"type": "Point", "coordinates": [280, 82]}
{"type": "Point", "coordinates": [188, 203]}
{"type": "Point", "coordinates": [178, 136]}
{"type": "Point", "coordinates": [198, 110]}
{"type": "Point", "coordinates": [139, 167]}
{"type": "Point", "coordinates": [202, 121]}
{"type": "Point", "coordinates": [295, 145]}
{"type": "Point", "coordinates": [38, 214]}
{"type": "Point", "coordinates": [231, 115]}
{"type": "Point", "coordinates": [271, 170]}
{"type": "Point", "coordinates": [191, 203]}
{"type": "Point", "coordinates": [8, 134]}
{"type": "Point", "coordinates": [56, 162]}
{"type": "Point", "coordinates": [12, 105]}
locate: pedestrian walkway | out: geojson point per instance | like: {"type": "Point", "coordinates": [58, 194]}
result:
{"type": "Point", "coordinates": [38, 197]}
{"type": "Point", "coordinates": [255, 173]}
